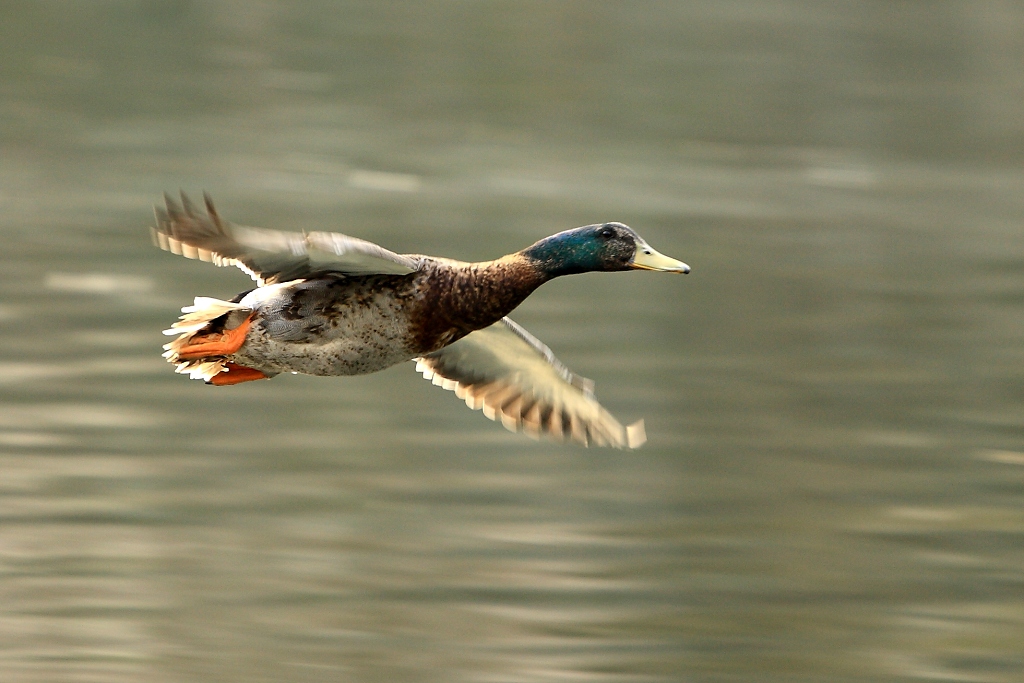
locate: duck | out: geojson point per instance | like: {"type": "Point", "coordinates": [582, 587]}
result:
{"type": "Point", "coordinates": [329, 304]}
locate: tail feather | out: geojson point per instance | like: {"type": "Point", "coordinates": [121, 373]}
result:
{"type": "Point", "coordinates": [196, 319]}
{"type": "Point", "coordinates": [205, 370]}
{"type": "Point", "coordinates": [201, 313]}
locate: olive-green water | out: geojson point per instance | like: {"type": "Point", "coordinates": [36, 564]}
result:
{"type": "Point", "coordinates": [833, 489]}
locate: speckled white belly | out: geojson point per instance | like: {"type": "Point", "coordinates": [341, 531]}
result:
{"type": "Point", "coordinates": [324, 338]}
{"type": "Point", "coordinates": [339, 356]}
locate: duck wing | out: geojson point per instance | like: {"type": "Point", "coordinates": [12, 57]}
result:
{"type": "Point", "coordinates": [513, 377]}
{"type": "Point", "coordinates": [268, 256]}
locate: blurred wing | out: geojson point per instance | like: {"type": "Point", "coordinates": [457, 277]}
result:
{"type": "Point", "coordinates": [268, 256]}
{"type": "Point", "coordinates": [513, 377]}
{"type": "Point", "coordinates": [359, 257]}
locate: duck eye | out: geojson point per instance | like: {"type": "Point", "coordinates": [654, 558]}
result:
{"type": "Point", "coordinates": [607, 232]}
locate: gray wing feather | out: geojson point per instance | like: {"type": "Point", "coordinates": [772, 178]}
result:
{"type": "Point", "coordinates": [359, 256]}
{"type": "Point", "coordinates": [268, 256]}
{"type": "Point", "coordinates": [513, 377]}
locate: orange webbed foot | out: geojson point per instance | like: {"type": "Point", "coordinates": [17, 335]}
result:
{"type": "Point", "coordinates": [235, 374]}
{"type": "Point", "coordinates": [219, 345]}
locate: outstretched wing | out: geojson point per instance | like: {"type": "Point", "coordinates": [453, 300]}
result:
{"type": "Point", "coordinates": [268, 256]}
{"type": "Point", "coordinates": [513, 377]}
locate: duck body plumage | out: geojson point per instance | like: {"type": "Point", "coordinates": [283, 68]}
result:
{"type": "Point", "coordinates": [354, 325]}
{"type": "Point", "coordinates": [330, 326]}
{"type": "Point", "coordinates": [328, 304]}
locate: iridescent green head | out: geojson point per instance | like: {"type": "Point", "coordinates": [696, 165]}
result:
{"type": "Point", "coordinates": [605, 246]}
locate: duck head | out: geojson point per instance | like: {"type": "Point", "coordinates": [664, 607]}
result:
{"type": "Point", "coordinates": [604, 246]}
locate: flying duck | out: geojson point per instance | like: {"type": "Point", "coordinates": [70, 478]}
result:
{"type": "Point", "coordinates": [330, 304]}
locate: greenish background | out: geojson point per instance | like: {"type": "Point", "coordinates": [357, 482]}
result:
{"type": "Point", "coordinates": [833, 489]}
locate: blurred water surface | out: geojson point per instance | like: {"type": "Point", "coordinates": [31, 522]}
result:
{"type": "Point", "coordinates": [834, 480]}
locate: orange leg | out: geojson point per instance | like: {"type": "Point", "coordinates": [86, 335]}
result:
{"type": "Point", "coordinates": [227, 344]}
{"type": "Point", "coordinates": [236, 374]}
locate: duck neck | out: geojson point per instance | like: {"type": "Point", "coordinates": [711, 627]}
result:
{"type": "Point", "coordinates": [455, 300]}
{"type": "Point", "coordinates": [484, 293]}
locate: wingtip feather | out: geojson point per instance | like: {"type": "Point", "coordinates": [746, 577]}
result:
{"type": "Point", "coordinates": [636, 434]}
